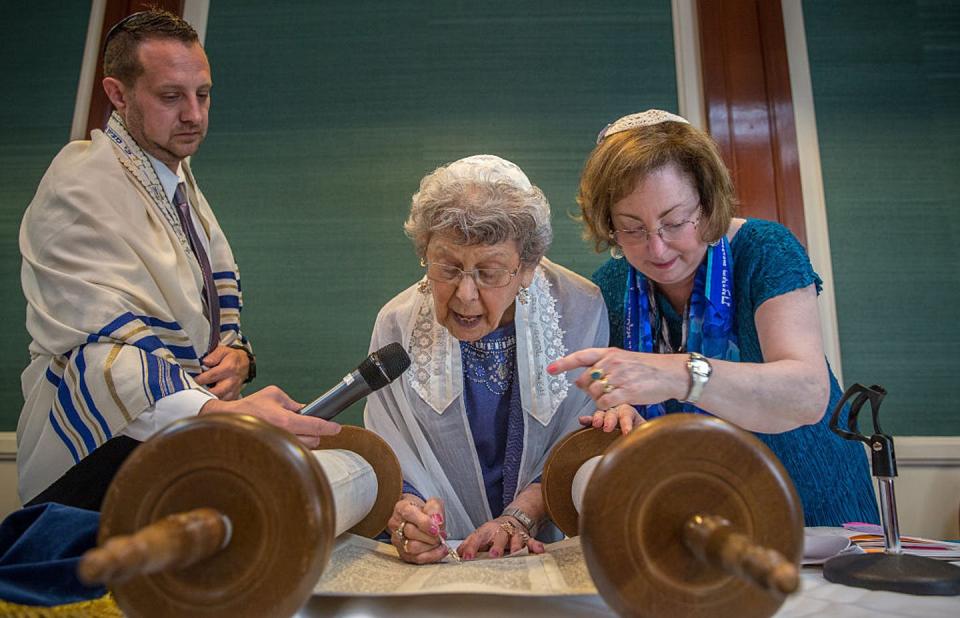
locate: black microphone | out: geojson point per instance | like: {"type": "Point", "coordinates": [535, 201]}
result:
{"type": "Point", "coordinates": [376, 371]}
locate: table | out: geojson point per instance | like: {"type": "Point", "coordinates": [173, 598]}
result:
{"type": "Point", "coordinates": [817, 598]}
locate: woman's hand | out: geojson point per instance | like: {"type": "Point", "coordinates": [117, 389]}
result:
{"type": "Point", "coordinates": [626, 416]}
{"type": "Point", "coordinates": [498, 537]}
{"type": "Point", "coordinates": [417, 529]}
{"type": "Point", "coordinates": [790, 388]}
{"type": "Point", "coordinates": [614, 377]}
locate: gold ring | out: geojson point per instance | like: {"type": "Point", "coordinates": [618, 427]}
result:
{"type": "Point", "coordinates": [404, 544]}
{"type": "Point", "coordinates": [508, 527]}
{"type": "Point", "coordinates": [596, 373]}
{"type": "Point", "coordinates": [399, 531]}
{"type": "Point", "coordinates": [607, 388]}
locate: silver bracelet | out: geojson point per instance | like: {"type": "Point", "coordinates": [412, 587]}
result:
{"type": "Point", "coordinates": [525, 520]}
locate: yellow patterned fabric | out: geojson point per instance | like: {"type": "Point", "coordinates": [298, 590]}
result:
{"type": "Point", "coordinates": [104, 607]}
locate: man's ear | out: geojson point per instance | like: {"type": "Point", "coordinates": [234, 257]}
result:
{"type": "Point", "coordinates": [116, 92]}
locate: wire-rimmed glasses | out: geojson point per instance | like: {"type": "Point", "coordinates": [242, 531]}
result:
{"type": "Point", "coordinates": [483, 277]}
{"type": "Point", "coordinates": [667, 232]}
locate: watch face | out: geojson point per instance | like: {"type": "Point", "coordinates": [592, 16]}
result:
{"type": "Point", "coordinates": [700, 367]}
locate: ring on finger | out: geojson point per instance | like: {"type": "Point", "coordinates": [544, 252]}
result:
{"type": "Point", "coordinates": [596, 374]}
{"type": "Point", "coordinates": [607, 387]}
{"type": "Point", "coordinates": [399, 531]}
{"type": "Point", "coordinates": [508, 527]}
{"type": "Point", "coordinates": [404, 544]}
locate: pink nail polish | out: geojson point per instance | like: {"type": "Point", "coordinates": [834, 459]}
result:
{"type": "Point", "coordinates": [552, 368]}
{"type": "Point", "coordinates": [434, 530]}
{"type": "Point", "coordinates": [495, 553]}
{"type": "Point", "coordinates": [437, 518]}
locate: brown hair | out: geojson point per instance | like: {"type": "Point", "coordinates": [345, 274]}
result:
{"type": "Point", "coordinates": [120, 57]}
{"type": "Point", "coordinates": [619, 161]}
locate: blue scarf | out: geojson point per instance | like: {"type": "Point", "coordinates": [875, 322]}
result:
{"type": "Point", "coordinates": [708, 326]}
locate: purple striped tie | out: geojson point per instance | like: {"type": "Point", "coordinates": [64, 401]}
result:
{"type": "Point", "coordinates": [210, 297]}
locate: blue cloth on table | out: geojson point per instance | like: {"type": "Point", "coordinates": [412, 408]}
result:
{"type": "Point", "coordinates": [40, 548]}
{"type": "Point", "coordinates": [831, 474]}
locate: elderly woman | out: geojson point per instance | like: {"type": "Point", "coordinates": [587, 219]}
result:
{"type": "Point", "coordinates": [475, 416]}
{"type": "Point", "coordinates": [709, 313]}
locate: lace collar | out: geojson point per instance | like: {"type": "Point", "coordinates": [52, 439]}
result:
{"type": "Point", "coordinates": [436, 370]}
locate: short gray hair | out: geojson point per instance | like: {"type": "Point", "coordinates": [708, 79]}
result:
{"type": "Point", "coordinates": [480, 208]}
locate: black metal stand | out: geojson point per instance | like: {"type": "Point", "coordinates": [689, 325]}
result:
{"type": "Point", "coordinates": [892, 570]}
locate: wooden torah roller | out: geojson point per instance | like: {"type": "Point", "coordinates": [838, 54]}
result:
{"type": "Point", "coordinates": [685, 516]}
{"type": "Point", "coordinates": [226, 515]}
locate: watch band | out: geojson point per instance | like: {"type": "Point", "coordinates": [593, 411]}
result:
{"type": "Point", "coordinates": [700, 370]}
{"type": "Point", "coordinates": [525, 520]}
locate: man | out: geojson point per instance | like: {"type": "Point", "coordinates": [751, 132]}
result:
{"type": "Point", "coordinates": [133, 295]}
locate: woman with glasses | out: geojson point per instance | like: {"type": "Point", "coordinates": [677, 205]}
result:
{"type": "Point", "coordinates": [475, 416]}
{"type": "Point", "coordinates": [709, 313]}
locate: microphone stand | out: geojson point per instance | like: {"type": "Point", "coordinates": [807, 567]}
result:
{"type": "Point", "coordinates": [892, 570]}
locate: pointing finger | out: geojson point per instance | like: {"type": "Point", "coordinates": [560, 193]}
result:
{"type": "Point", "coordinates": [580, 358]}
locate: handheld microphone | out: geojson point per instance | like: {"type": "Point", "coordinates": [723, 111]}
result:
{"type": "Point", "coordinates": [376, 371]}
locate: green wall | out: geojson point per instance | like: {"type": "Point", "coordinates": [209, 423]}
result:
{"type": "Point", "coordinates": [886, 85]}
{"type": "Point", "coordinates": [40, 57]}
{"type": "Point", "coordinates": [326, 117]}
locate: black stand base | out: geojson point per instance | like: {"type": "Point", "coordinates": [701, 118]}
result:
{"type": "Point", "coordinates": [895, 572]}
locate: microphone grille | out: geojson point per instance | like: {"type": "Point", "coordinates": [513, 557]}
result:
{"type": "Point", "coordinates": [384, 366]}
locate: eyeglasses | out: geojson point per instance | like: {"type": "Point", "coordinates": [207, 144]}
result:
{"type": "Point", "coordinates": [667, 232]}
{"type": "Point", "coordinates": [483, 277]}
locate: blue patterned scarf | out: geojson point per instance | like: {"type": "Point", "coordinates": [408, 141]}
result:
{"type": "Point", "coordinates": [708, 324]}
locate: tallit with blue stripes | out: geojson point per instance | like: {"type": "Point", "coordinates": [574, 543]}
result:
{"type": "Point", "coordinates": [114, 301]}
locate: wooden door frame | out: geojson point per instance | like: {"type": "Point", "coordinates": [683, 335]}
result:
{"type": "Point", "coordinates": [692, 106]}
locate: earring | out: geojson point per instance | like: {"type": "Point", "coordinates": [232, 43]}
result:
{"type": "Point", "coordinates": [523, 295]}
{"type": "Point", "coordinates": [424, 286]}
{"type": "Point", "coordinates": [714, 243]}
{"type": "Point", "coordinates": [616, 252]}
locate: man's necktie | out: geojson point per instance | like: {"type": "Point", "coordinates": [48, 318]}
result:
{"type": "Point", "coordinates": [211, 300]}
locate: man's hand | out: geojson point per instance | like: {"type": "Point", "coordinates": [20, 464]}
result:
{"type": "Point", "coordinates": [228, 370]}
{"type": "Point", "coordinates": [277, 408]}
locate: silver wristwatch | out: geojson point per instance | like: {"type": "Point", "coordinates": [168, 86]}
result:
{"type": "Point", "coordinates": [700, 370]}
{"type": "Point", "coordinates": [523, 518]}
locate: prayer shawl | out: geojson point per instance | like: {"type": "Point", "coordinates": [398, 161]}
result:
{"type": "Point", "coordinates": [708, 326]}
{"type": "Point", "coordinates": [422, 415]}
{"type": "Point", "coordinates": [114, 301]}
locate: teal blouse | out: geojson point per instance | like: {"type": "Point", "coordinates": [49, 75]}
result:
{"type": "Point", "coordinates": [831, 474]}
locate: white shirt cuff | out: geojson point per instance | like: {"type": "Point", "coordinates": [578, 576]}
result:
{"type": "Point", "coordinates": [171, 408]}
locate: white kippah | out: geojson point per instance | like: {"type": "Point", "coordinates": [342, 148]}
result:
{"type": "Point", "coordinates": [641, 119]}
{"type": "Point", "coordinates": [489, 168]}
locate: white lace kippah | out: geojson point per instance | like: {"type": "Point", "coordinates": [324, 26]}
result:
{"type": "Point", "coordinates": [641, 119]}
{"type": "Point", "coordinates": [489, 167]}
